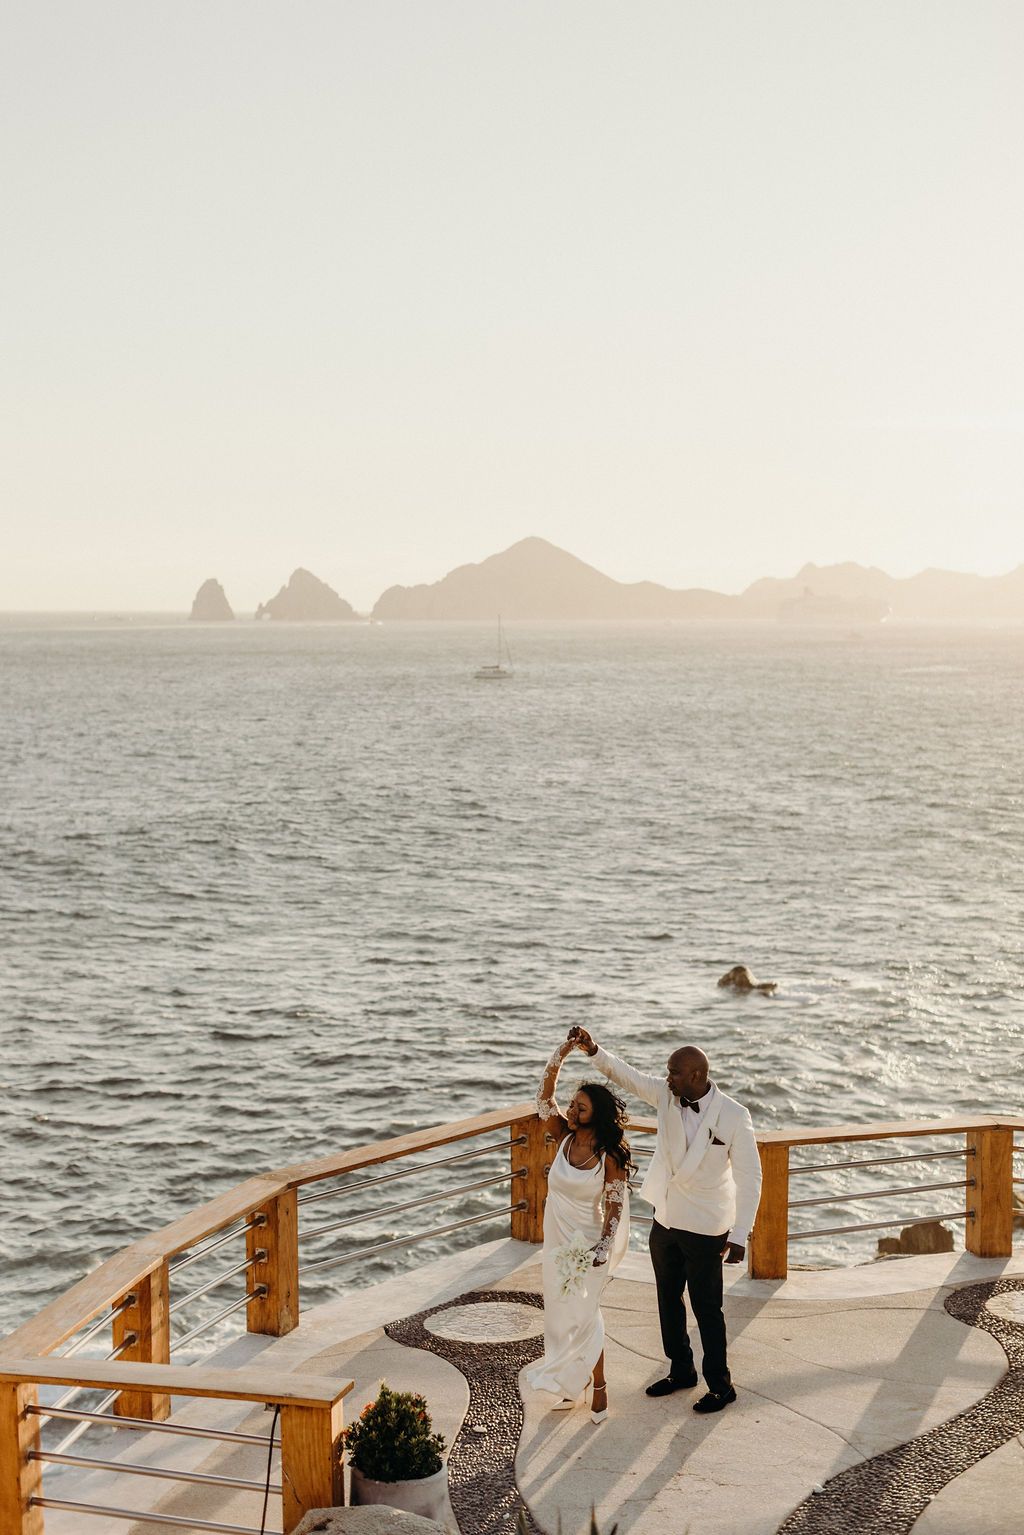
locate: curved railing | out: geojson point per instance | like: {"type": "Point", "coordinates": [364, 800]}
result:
{"type": "Point", "coordinates": [132, 1293]}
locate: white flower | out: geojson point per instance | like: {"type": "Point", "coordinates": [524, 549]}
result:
{"type": "Point", "coordinates": [573, 1261]}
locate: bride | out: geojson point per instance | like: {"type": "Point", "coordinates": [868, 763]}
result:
{"type": "Point", "coordinates": [588, 1193]}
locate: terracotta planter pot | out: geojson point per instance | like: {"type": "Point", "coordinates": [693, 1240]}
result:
{"type": "Point", "coordinates": [427, 1495]}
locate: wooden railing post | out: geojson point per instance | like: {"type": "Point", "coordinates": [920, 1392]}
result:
{"type": "Point", "coordinates": [312, 1470]}
{"type": "Point", "coordinates": [20, 1478]}
{"type": "Point", "coordinates": [276, 1312]}
{"type": "Point", "coordinates": [148, 1320]}
{"type": "Point", "coordinates": [769, 1240]}
{"type": "Point", "coordinates": [535, 1158]}
{"type": "Point", "coordinates": [989, 1232]}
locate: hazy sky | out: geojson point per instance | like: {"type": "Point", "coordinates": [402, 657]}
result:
{"type": "Point", "coordinates": [698, 291]}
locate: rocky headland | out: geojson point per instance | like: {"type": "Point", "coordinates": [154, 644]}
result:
{"type": "Point", "coordinates": [307, 599]}
{"type": "Point", "coordinates": [534, 579]}
{"type": "Point", "coordinates": [932, 596]}
{"type": "Point", "coordinates": [210, 605]}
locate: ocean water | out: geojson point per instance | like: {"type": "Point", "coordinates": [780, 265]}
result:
{"type": "Point", "coordinates": [268, 892]}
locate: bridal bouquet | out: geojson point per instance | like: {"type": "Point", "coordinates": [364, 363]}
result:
{"type": "Point", "coordinates": [573, 1262]}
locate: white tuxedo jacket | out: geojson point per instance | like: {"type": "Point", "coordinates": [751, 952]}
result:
{"type": "Point", "coordinates": [712, 1186]}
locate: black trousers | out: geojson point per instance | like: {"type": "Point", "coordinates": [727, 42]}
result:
{"type": "Point", "coordinates": [687, 1260]}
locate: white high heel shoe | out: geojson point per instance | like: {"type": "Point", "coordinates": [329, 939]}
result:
{"type": "Point", "coordinates": [567, 1403]}
{"type": "Point", "coordinates": [598, 1417]}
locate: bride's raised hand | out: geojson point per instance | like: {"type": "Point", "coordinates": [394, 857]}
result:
{"type": "Point", "coordinates": [581, 1039]}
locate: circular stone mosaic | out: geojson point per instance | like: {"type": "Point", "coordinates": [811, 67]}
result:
{"type": "Point", "coordinates": [1009, 1305]}
{"type": "Point", "coordinates": [491, 1322]}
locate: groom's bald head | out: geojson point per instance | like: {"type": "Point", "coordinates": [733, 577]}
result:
{"type": "Point", "coordinates": [687, 1074]}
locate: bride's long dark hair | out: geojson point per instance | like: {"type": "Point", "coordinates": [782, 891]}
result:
{"type": "Point", "coordinates": [609, 1124]}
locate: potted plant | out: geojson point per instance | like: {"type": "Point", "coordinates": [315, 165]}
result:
{"type": "Point", "coordinates": [394, 1457]}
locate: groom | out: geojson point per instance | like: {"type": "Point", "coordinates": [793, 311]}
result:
{"type": "Point", "coordinates": [704, 1182]}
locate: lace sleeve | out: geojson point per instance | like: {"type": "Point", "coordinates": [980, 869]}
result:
{"type": "Point", "coordinates": [614, 1199]}
{"type": "Point", "coordinates": [547, 1108]}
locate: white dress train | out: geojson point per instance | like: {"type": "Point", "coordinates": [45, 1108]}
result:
{"type": "Point", "coordinates": [573, 1325]}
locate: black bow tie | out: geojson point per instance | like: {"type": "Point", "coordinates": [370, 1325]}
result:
{"type": "Point", "coordinates": [690, 1103]}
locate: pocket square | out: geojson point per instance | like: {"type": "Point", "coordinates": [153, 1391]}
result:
{"type": "Point", "coordinates": [716, 1142]}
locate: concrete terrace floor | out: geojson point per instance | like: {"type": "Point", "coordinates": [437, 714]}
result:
{"type": "Point", "coordinates": [832, 1367]}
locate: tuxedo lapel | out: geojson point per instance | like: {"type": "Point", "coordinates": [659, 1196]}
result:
{"type": "Point", "coordinates": [674, 1137]}
{"type": "Point", "coordinates": [701, 1141]}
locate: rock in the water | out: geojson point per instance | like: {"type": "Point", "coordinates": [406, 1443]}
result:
{"type": "Point", "coordinates": [373, 1519]}
{"type": "Point", "coordinates": [211, 606]}
{"type": "Point", "coordinates": [928, 1237]}
{"type": "Point", "coordinates": [306, 599]}
{"type": "Point", "coordinates": [740, 979]}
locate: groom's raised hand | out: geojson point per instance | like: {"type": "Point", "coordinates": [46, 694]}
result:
{"type": "Point", "coordinates": [734, 1252]}
{"type": "Point", "coordinates": [583, 1041]}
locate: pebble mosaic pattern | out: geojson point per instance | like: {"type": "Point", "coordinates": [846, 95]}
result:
{"type": "Point", "coordinates": [498, 1322]}
{"type": "Point", "coordinates": [886, 1494]}
{"type": "Point", "coordinates": [482, 1462]}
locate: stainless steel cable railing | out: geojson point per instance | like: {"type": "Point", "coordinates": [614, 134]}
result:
{"type": "Point", "coordinates": [129, 1341]}
{"type": "Point", "coordinates": [195, 1254]}
{"type": "Point", "coordinates": [114, 1420]}
{"type": "Point", "coordinates": [101, 1322]}
{"type": "Point", "coordinates": [905, 1220]}
{"type": "Point", "coordinates": [410, 1204]}
{"type": "Point", "coordinates": [410, 1172]}
{"type": "Point", "coordinates": [917, 1156]}
{"type": "Point", "coordinates": [132, 1468]}
{"type": "Point", "coordinates": [420, 1236]}
{"type": "Point", "coordinates": [135, 1517]}
{"type": "Point", "coordinates": [259, 1256]}
{"type": "Point", "coordinates": [83, 1428]}
{"type": "Point", "coordinates": [853, 1195]}
{"type": "Point", "coordinates": [196, 1332]}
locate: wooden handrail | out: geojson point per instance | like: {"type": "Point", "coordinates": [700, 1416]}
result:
{"type": "Point", "coordinates": [180, 1380]}
{"type": "Point", "coordinates": [887, 1129]}
{"type": "Point", "coordinates": [403, 1145]}
{"type": "Point", "coordinates": [875, 1130]}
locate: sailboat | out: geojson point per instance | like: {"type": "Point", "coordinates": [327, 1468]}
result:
{"type": "Point", "coordinates": [498, 671]}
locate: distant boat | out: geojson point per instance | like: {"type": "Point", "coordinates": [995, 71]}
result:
{"type": "Point", "coordinates": [499, 670]}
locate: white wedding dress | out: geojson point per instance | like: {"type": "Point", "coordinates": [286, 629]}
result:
{"type": "Point", "coordinates": [573, 1325]}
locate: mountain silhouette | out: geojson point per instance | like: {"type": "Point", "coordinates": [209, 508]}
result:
{"type": "Point", "coordinates": [535, 579]}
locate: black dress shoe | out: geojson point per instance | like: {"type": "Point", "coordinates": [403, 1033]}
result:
{"type": "Point", "coordinates": [673, 1383]}
{"type": "Point", "coordinates": [715, 1400]}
